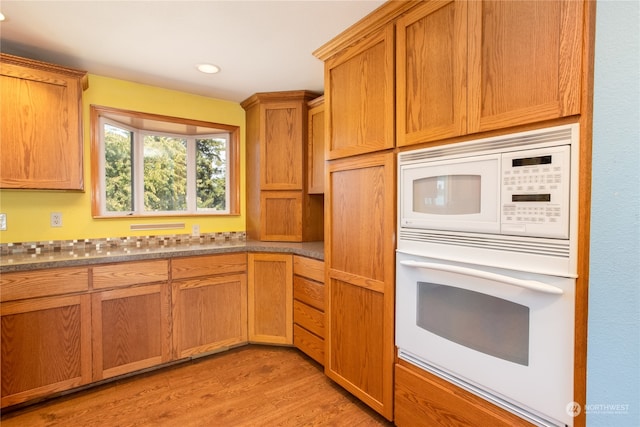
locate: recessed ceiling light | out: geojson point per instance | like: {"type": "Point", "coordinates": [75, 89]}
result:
{"type": "Point", "coordinates": [1, 17]}
{"type": "Point", "coordinates": [208, 68]}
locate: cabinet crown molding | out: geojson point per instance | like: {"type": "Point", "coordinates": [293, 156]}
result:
{"type": "Point", "coordinates": [6, 58]}
{"type": "Point", "coordinates": [377, 19]}
{"type": "Point", "coordinates": [290, 95]}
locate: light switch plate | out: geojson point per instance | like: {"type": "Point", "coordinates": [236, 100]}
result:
{"type": "Point", "coordinates": [3, 222]}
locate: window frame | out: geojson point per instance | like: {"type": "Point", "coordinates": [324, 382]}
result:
{"type": "Point", "coordinates": [101, 114]}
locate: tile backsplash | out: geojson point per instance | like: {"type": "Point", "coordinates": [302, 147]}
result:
{"type": "Point", "coordinates": [116, 242]}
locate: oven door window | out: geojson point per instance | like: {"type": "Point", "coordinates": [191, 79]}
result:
{"type": "Point", "coordinates": [478, 321]}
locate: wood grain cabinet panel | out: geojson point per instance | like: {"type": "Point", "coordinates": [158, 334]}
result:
{"type": "Point", "coordinates": [41, 126]}
{"type": "Point", "coordinates": [209, 314]}
{"type": "Point", "coordinates": [468, 67]}
{"type": "Point", "coordinates": [360, 254]}
{"type": "Point", "coordinates": [131, 329]}
{"type": "Point", "coordinates": [525, 62]}
{"type": "Point", "coordinates": [359, 96]}
{"type": "Point", "coordinates": [208, 265]}
{"type": "Point", "coordinates": [279, 207]}
{"type": "Point", "coordinates": [308, 307]}
{"type": "Point", "coordinates": [431, 49]}
{"type": "Point", "coordinates": [42, 283]}
{"type": "Point", "coordinates": [270, 298]}
{"type": "Point", "coordinates": [315, 149]}
{"type": "Point", "coordinates": [424, 400]}
{"type": "Point", "coordinates": [46, 346]}
{"type": "Point", "coordinates": [130, 273]}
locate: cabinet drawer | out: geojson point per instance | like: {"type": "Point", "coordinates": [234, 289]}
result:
{"type": "Point", "coordinates": [40, 283]}
{"type": "Point", "coordinates": [309, 292]}
{"type": "Point", "coordinates": [209, 265]}
{"type": "Point", "coordinates": [426, 400]}
{"type": "Point", "coordinates": [309, 318]}
{"type": "Point", "coordinates": [308, 343]}
{"type": "Point", "coordinates": [309, 268]}
{"type": "Point", "coordinates": [130, 273]}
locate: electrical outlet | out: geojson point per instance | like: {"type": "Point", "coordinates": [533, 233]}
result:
{"type": "Point", "coordinates": [3, 222]}
{"type": "Point", "coordinates": [56, 219]}
{"type": "Point", "coordinates": [195, 230]}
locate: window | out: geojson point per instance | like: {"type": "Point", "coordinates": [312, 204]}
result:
{"type": "Point", "coordinates": [148, 165]}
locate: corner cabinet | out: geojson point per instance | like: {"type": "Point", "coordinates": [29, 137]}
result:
{"type": "Point", "coordinates": [41, 126]}
{"type": "Point", "coordinates": [360, 276]}
{"type": "Point", "coordinates": [468, 67]}
{"type": "Point", "coordinates": [279, 208]}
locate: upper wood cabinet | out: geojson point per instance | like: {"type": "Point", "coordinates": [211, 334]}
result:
{"type": "Point", "coordinates": [432, 72]}
{"type": "Point", "coordinates": [315, 147]}
{"type": "Point", "coordinates": [525, 61]}
{"type": "Point", "coordinates": [467, 67]}
{"type": "Point", "coordinates": [279, 208]}
{"type": "Point", "coordinates": [41, 126]}
{"type": "Point", "coordinates": [359, 96]}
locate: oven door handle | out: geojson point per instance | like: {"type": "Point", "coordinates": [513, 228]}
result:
{"type": "Point", "coordinates": [522, 283]}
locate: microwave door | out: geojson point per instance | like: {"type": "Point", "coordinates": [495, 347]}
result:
{"type": "Point", "coordinates": [456, 195]}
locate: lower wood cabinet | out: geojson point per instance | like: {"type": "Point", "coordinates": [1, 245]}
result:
{"type": "Point", "coordinates": [130, 329]}
{"type": "Point", "coordinates": [46, 346]}
{"type": "Point", "coordinates": [424, 400]}
{"type": "Point", "coordinates": [270, 298]}
{"type": "Point", "coordinates": [130, 317]}
{"type": "Point", "coordinates": [308, 307]}
{"type": "Point", "coordinates": [209, 308]}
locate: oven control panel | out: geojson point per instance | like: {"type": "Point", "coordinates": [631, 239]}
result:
{"type": "Point", "coordinates": [535, 192]}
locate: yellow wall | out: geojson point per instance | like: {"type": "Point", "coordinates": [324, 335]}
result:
{"type": "Point", "coordinates": [28, 211]}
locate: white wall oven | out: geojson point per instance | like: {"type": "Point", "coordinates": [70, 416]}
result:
{"type": "Point", "coordinates": [486, 268]}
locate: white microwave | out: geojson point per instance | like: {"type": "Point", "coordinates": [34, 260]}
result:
{"type": "Point", "coordinates": [518, 184]}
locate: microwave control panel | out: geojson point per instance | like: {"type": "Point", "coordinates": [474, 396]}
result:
{"type": "Point", "coordinates": [535, 192]}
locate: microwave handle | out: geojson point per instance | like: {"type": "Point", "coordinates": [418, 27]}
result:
{"type": "Point", "coordinates": [527, 284]}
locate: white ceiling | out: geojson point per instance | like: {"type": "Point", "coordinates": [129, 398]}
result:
{"type": "Point", "coordinates": [260, 46]}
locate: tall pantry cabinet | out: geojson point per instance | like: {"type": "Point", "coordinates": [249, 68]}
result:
{"type": "Point", "coordinates": [360, 217]}
{"type": "Point", "coordinates": [421, 73]}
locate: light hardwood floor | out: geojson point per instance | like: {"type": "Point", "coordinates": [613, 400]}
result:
{"type": "Point", "coordinates": [246, 386]}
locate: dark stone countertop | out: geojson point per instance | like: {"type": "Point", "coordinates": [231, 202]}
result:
{"type": "Point", "coordinates": [27, 261]}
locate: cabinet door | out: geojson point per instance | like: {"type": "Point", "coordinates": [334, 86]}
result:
{"type": "Point", "coordinates": [359, 96]}
{"type": "Point", "coordinates": [41, 126]}
{"type": "Point", "coordinates": [281, 145]}
{"type": "Point", "coordinates": [315, 148]}
{"type": "Point", "coordinates": [281, 218]}
{"type": "Point", "coordinates": [525, 60]}
{"type": "Point", "coordinates": [46, 346]}
{"type": "Point", "coordinates": [359, 253]}
{"type": "Point", "coordinates": [209, 314]}
{"type": "Point", "coordinates": [270, 298]}
{"type": "Point", "coordinates": [432, 72]}
{"type": "Point", "coordinates": [130, 329]}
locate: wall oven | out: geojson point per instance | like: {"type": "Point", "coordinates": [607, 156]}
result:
{"type": "Point", "coordinates": [486, 268]}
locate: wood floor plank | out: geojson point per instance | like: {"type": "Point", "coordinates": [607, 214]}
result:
{"type": "Point", "coordinates": [246, 386]}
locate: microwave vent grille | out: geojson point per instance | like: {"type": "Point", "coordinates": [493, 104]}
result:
{"type": "Point", "coordinates": [553, 136]}
{"type": "Point", "coordinates": [560, 249]}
